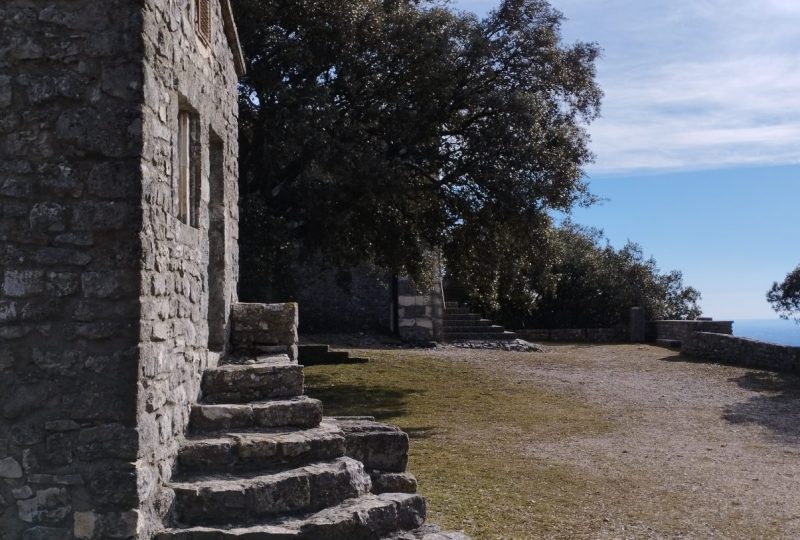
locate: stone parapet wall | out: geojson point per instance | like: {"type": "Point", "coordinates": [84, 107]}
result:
{"type": "Point", "coordinates": [575, 335]}
{"type": "Point", "coordinates": [682, 330]}
{"type": "Point", "coordinates": [739, 351]}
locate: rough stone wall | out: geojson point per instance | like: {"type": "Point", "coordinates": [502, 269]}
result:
{"type": "Point", "coordinates": [181, 71]}
{"type": "Point", "coordinates": [70, 140]}
{"type": "Point", "coordinates": [419, 312]}
{"type": "Point", "coordinates": [739, 351]}
{"type": "Point", "coordinates": [682, 330]}
{"type": "Point", "coordinates": [359, 299]}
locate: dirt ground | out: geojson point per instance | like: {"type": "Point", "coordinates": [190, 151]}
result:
{"type": "Point", "coordinates": [713, 447]}
{"type": "Point", "coordinates": [661, 447]}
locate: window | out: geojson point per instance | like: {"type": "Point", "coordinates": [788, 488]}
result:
{"type": "Point", "coordinates": [203, 20]}
{"type": "Point", "coordinates": [188, 168]}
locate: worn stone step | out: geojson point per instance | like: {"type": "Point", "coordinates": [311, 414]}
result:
{"type": "Point", "coordinates": [235, 383]}
{"type": "Point", "coordinates": [365, 518]}
{"type": "Point", "coordinates": [452, 323]}
{"type": "Point", "coordinates": [457, 311]}
{"type": "Point", "coordinates": [492, 329]}
{"type": "Point", "coordinates": [250, 358]}
{"type": "Point", "coordinates": [301, 411]}
{"type": "Point", "coordinates": [504, 336]}
{"type": "Point", "coordinates": [308, 354]}
{"type": "Point", "coordinates": [427, 532]}
{"type": "Point", "coordinates": [461, 317]}
{"type": "Point", "coordinates": [393, 482]}
{"type": "Point", "coordinates": [220, 499]}
{"type": "Point", "coordinates": [261, 450]}
{"type": "Point", "coordinates": [378, 446]}
{"type": "Point", "coordinates": [333, 360]}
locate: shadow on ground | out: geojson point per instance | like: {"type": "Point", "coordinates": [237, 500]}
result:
{"type": "Point", "coordinates": [382, 402]}
{"type": "Point", "coordinates": [776, 405]}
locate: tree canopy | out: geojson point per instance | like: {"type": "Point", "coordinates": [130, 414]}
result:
{"type": "Point", "coordinates": [375, 131]}
{"type": "Point", "coordinates": [785, 296]}
{"type": "Point", "coordinates": [588, 283]}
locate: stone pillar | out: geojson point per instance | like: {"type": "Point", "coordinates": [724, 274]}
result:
{"type": "Point", "coordinates": [265, 328]}
{"type": "Point", "coordinates": [637, 325]}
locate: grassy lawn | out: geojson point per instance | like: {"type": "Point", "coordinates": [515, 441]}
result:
{"type": "Point", "coordinates": [469, 427]}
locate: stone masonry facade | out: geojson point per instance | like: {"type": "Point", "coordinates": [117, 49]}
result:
{"type": "Point", "coordinates": [107, 313]}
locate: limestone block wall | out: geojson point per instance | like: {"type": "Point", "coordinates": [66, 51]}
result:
{"type": "Point", "coordinates": [739, 351]}
{"type": "Point", "coordinates": [189, 271]}
{"type": "Point", "coordinates": [419, 312]}
{"type": "Point", "coordinates": [71, 83]}
{"type": "Point", "coordinates": [682, 330]}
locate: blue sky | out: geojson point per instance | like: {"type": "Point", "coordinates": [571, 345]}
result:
{"type": "Point", "coordinates": [698, 147]}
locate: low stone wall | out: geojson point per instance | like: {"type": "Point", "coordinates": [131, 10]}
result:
{"type": "Point", "coordinates": [739, 351]}
{"type": "Point", "coordinates": [683, 330]}
{"type": "Point", "coordinates": [575, 335]}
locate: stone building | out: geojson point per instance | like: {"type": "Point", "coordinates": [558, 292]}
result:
{"type": "Point", "coordinates": [118, 308]}
{"type": "Point", "coordinates": [118, 169]}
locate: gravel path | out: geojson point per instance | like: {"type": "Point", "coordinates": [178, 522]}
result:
{"type": "Point", "coordinates": [696, 450]}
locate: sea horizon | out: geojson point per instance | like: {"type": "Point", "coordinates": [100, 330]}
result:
{"type": "Point", "coordinates": [778, 331]}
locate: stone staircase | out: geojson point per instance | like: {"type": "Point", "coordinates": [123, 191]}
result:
{"type": "Point", "coordinates": [460, 324]}
{"type": "Point", "coordinates": [261, 462]}
{"type": "Point", "coordinates": [316, 355]}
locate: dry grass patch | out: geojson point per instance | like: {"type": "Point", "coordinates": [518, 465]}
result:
{"type": "Point", "coordinates": [469, 431]}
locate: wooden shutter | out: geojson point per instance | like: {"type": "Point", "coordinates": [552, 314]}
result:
{"type": "Point", "coordinates": [204, 20]}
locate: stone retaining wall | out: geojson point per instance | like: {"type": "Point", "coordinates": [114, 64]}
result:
{"type": "Point", "coordinates": [739, 351]}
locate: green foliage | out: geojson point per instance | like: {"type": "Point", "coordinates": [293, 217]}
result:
{"type": "Point", "coordinates": [785, 296]}
{"type": "Point", "coordinates": [377, 131]}
{"type": "Point", "coordinates": [591, 284]}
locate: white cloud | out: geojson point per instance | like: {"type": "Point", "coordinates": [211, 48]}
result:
{"type": "Point", "coordinates": [693, 84]}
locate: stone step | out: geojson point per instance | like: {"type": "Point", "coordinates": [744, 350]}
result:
{"type": "Point", "coordinates": [221, 499]}
{"type": "Point", "coordinates": [236, 383]}
{"type": "Point", "coordinates": [504, 336]}
{"type": "Point", "coordinates": [313, 349]}
{"type": "Point", "coordinates": [261, 450]}
{"type": "Point", "coordinates": [492, 329]}
{"type": "Point", "coordinates": [450, 304]}
{"type": "Point", "coordinates": [378, 446]}
{"type": "Point", "coordinates": [427, 532]}
{"type": "Point", "coordinates": [457, 311]}
{"type": "Point", "coordinates": [365, 518]}
{"type": "Point", "coordinates": [448, 323]}
{"type": "Point", "coordinates": [300, 411]}
{"type": "Point", "coordinates": [249, 358]}
{"type": "Point", "coordinates": [461, 317]}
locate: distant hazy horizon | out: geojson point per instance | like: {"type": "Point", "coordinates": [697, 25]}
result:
{"type": "Point", "coordinates": [777, 331]}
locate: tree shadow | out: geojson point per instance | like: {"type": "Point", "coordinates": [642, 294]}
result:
{"type": "Point", "coordinates": [775, 407]}
{"type": "Point", "coordinates": [380, 401]}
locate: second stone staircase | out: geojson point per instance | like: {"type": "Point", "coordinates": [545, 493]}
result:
{"type": "Point", "coordinates": [461, 324]}
{"type": "Point", "coordinates": [261, 462]}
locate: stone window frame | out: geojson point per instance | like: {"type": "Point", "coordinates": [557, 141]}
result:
{"type": "Point", "coordinates": [189, 179]}
{"type": "Point", "coordinates": [203, 20]}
